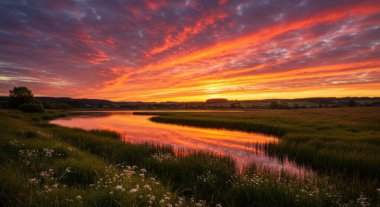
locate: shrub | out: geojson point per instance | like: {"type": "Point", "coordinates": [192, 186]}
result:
{"type": "Point", "coordinates": [32, 107]}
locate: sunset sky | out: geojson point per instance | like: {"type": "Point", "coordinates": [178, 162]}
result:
{"type": "Point", "coordinates": [191, 50]}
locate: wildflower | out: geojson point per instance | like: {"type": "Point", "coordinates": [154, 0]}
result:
{"type": "Point", "coordinates": [44, 174]}
{"type": "Point", "coordinates": [79, 197]}
{"type": "Point", "coordinates": [162, 201]}
{"type": "Point", "coordinates": [141, 175]}
{"type": "Point", "coordinates": [14, 142]}
{"type": "Point", "coordinates": [363, 200]}
{"type": "Point", "coordinates": [133, 190]}
{"type": "Point", "coordinates": [33, 180]}
{"type": "Point", "coordinates": [218, 205]}
{"type": "Point", "coordinates": [27, 162]}
{"type": "Point", "coordinates": [119, 188]}
{"type": "Point", "coordinates": [147, 187]}
{"type": "Point", "coordinates": [68, 170]}
{"type": "Point", "coordinates": [169, 205]}
{"type": "Point", "coordinates": [198, 204]}
{"type": "Point", "coordinates": [55, 185]}
{"type": "Point", "coordinates": [143, 170]}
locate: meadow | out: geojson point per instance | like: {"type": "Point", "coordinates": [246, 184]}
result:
{"type": "Point", "coordinates": [47, 165]}
{"type": "Point", "coordinates": [344, 140]}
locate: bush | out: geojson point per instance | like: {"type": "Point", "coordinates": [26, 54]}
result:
{"type": "Point", "coordinates": [31, 107]}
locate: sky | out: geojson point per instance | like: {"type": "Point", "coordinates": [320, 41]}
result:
{"type": "Point", "coordinates": [192, 50]}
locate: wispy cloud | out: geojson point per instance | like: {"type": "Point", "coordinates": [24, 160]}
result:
{"type": "Point", "coordinates": [191, 50]}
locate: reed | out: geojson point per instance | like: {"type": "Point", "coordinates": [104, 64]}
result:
{"type": "Point", "coordinates": [47, 165]}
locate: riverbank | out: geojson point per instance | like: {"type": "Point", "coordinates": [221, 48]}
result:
{"type": "Point", "coordinates": [344, 140]}
{"type": "Point", "coordinates": [93, 167]}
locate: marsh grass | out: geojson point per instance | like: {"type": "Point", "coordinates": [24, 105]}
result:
{"type": "Point", "coordinates": [38, 169]}
{"type": "Point", "coordinates": [74, 167]}
{"type": "Point", "coordinates": [334, 140]}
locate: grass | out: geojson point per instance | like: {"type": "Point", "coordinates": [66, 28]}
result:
{"type": "Point", "coordinates": [39, 169]}
{"type": "Point", "coordinates": [48, 165]}
{"type": "Point", "coordinates": [344, 140]}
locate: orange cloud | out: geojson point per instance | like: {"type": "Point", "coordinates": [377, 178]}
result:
{"type": "Point", "coordinates": [247, 41]}
{"type": "Point", "coordinates": [187, 32]}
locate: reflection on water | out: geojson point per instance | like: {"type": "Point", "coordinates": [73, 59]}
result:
{"type": "Point", "coordinates": [243, 147]}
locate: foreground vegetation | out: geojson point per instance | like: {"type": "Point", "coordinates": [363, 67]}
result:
{"type": "Point", "coordinates": [344, 140]}
{"type": "Point", "coordinates": [48, 165]}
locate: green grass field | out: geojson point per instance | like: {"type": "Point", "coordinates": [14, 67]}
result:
{"type": "Point", "coordinates": [47, 165]}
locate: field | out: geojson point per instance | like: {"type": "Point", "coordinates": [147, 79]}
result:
{"type": "Point", "coordinates": [344, 140]}
{"type": "Point", "coordinates": [47, 165]}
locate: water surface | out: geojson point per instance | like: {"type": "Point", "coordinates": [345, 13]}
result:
{"type": "Point", "coordinates": [244, 147]}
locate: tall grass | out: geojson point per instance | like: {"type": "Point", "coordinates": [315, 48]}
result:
{"type": "Point", "coordinates": [218, 123]}
{"type": "Point", "coordinates": [87, 163]}
{"type": "Point", "coordinates": [343, 140]}
{"type": "Point", "coordinates": [38, 169]}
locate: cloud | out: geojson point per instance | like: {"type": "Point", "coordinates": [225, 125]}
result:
{"type": "Point", "coordinates": [184, 50]}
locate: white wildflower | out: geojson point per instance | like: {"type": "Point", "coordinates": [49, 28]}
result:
{"type": "Point", "coordinates": [133, 190]}
{"type": "Point", "coordinates": [33, 180]}
{"type": "Point", "coordinates": [119, 188]}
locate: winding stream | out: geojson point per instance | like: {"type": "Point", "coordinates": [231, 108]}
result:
{"type": "Point", "coordinates": [244, 147]}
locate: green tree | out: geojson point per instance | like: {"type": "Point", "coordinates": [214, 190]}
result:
{"type": "Point", "coordinates": [20, 95]}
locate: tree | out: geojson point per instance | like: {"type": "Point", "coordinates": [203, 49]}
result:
{"type": "Point", "coordinates": [274, 105]}
{"type": "Point", "coordinates": [352, 103]}
{"type": "Point", "coordinates": [20, 95]}
{"type": "Point", "coordinates": [22, 98]}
